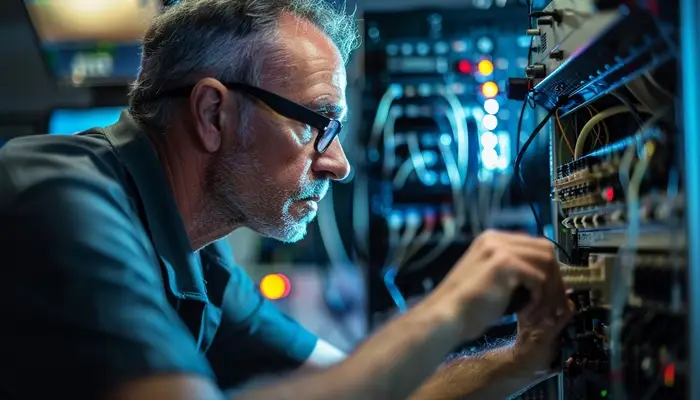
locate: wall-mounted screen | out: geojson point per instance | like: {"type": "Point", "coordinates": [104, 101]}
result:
{"type": "Point", "coordinates": [92, 42]}
{"type": "Point", "coordinates": [71, 121]}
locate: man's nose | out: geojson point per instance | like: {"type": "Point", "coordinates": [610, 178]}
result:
{"type": "Point", "coordinates": [333, 163]}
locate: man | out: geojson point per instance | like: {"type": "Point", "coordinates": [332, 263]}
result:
{"type": "Point", "coordinates": [119, 284]}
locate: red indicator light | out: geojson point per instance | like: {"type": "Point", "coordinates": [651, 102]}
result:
{"type": "Point", "coordinates": [609, 194]}
{"type": "Point", "coordinates": [670, 375]}
{"type": "Point", "coordinates": [464, 67]}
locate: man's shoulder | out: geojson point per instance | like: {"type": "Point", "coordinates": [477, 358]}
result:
{"type": "Point", "coordinates": [29, 165]}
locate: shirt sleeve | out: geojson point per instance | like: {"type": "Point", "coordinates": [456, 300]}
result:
{"type": "Point", "coordinates": [255, 338]}
{"type": "Point", "coordinates": [83, 308]}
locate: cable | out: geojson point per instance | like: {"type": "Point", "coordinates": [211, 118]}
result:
{"type": "Point", "coordinates": [417, 158]}
{"type": "Point", "coordinates": [519, 159]}
{"type": "Point", "coordinates": [583, 135]}
{"type": "Point", "coordinates": [429, 222]}
{"type": "Point", "coordinates": [458, 121]}
{"type": "Point", "coordinates": [393, 92]}
{"type": "Point", "coordinates": [649, 77]}
{"type": "Point", "coordinates": [563, 132]}
{"type": "Point", "coordinates": [517, 171]}
{"type": "Point", "coordinates": [632, 108]}
{"type": "Point", "coordinates": [413, 223]}
{"type": "Point", "coordinates": [390, 142]}
{"type": "Point", "coordinates": [622, 273]}
{"type": "Point", "coordinates": [451, 223]}
{"type": "Point", "coordinates": [449, 233]}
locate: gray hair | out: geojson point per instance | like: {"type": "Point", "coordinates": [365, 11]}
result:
{"type": "Point", "coordinates": [225, 39]}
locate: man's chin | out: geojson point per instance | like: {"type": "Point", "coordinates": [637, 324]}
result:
{"type": "Point", "coordinates": [294, 235]}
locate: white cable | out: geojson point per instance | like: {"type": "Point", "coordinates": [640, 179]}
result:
{"type": "Point", "coordinates": [422, 239]}
{"type": "Point", "coordinates": [402, 174]}
{"type": "Point", "coordinates": [458, 120]}
{"type": "Point", "coordinates": [417, 158]}
{"type": "Point", "coordinates": [413, 223]}
{"type": "Point", "coordinates": [393, 92]}
{"type": "Point", "coordinates": [641, 93]}
{"type": "Point", "coordinates": [453, 174]}
{"type": "Point", "coordinates": [451, 225]}
{"type": "Point", "coordinates": [390, 144]}
{"type": "Point", "coordinates": [449, 233]}
{"type": "Point", "coordinates": [649, 77]}
{"type": "Point", "coordinates": [416, 161]}
{"type": "Point", "coordinates": [622, 274]}
{"type": "Point", "coordinates": [583, 135]}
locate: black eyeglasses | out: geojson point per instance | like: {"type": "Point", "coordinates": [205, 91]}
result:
{"type": "Point", "coordinates": [327, 128]}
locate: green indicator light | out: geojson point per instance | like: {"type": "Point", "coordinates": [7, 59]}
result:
{"type": "Point", "coordinates": [603, 393]}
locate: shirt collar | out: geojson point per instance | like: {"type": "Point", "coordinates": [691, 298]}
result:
{"type": "Point", "coordinates": [163, 218]}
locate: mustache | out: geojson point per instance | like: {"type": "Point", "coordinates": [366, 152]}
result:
{"type": "Point", "coordinates": [314, 189]}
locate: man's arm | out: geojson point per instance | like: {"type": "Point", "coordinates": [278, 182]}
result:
{"type": "Point", "coordinates": [495, 374]}
{"type": "Point", "coordinates": [389, 365]}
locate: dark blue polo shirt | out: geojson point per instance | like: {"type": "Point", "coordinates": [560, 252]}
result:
{"type": "Point", "coordinates": [100, 285]}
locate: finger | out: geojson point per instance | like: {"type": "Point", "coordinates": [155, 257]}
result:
{"type": "Point", "coordinates": [523, 239]}
{"type": "Point", "coordinates": [564, 319]}
{"type": "Point", "coordinates": [532, 254]}
{"type": "Point", "coordinates": [519, 272]}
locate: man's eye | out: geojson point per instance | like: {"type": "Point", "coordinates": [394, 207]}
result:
{"type": "Point", "coordinates": [307, 134]}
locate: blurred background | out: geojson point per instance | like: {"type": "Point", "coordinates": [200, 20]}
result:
{"type": "Point", "coordinates": [432, 139]}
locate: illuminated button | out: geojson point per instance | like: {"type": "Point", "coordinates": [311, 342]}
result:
{"type": "Point", "coordinates": [464, 67]}
{"type": "Point", "coordinates": [491, 106]}
{"type": "Point", "coordinates": [490, 122]}
{"type": "Point", "coordinates": [670, 375]}
{"type": "Point", "coordinates": [275, 286]}
{"type": "Point", "coordinates": [502, 163]}
{"type": "Point", "coordinates": [422, 49]}
{"type": "Point", "coordinates": [485, 67]}
{"type": "Point", "coordinates": [488, 140]}
{"type": "Point", "coordinates": [489, 158]}
{"type": "Point", "coordinates": [502, 63]}
{"type": "Point", "coordinates": [609, 194]}
{"type": "Point", "coordinates": [441, 48]}
{"type": "Point", "coordinates": [459, 46]}
{"type": "Point", "coordinates": [457, 88]}
{"type": "Point", "coordinates": [489, 89]}
{"type": "Point", "coordinates": [406, 49]}
{"type": "Point", "coordinates": [485, 44]}
{"type": "Point", "coordinates": [392, 49]}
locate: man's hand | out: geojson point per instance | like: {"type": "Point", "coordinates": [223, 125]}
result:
{"type": "Point", "coordinates": [539, 334]}
{"type": "Point", "coordinates": [481, 283]}
{"type": "Point", "coordinates": [539, 340]}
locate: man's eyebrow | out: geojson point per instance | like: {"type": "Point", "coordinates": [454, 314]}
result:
{"type": "Point", "coordinates": [329, 109]}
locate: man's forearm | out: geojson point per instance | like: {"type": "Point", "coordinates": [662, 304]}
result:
{"type": "Point", "coordinates": [491, 375]}
{"type": "Point", "coordinates": [390, 365]}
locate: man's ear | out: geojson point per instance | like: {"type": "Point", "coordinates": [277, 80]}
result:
{"type": "Point", "coordinates": [213, 109]}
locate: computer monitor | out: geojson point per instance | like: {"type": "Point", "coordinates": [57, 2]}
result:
{"type": "Point", "coordinates": [92, 42]}
{"type": "Point", "coordinates": [71, 121]}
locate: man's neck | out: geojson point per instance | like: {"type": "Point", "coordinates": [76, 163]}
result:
{"type": "Point", "coordinates": [185, 174]}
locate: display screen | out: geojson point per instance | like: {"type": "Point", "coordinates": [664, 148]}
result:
{"type": "Point", "coordinates": [91, 42]}
{"type": "Point", "coordinates": [68, 122]}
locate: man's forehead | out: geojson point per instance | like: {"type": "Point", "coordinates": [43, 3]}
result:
{"type": "Point", "coordinates": [309, 68]}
